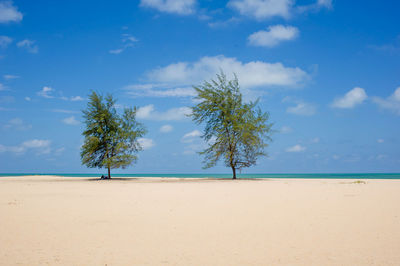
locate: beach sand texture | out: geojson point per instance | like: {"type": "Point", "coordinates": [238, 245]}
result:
{"type": "Point", "coordinates": [158, 221]}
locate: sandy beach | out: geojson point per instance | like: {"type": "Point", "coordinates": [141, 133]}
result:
{"type": "Point", "coordinates": [157, 221]}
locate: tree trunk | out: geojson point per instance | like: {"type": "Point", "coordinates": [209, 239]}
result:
{"type": "Point", "coordinates": [109, 173]}
{"type": "Point", "coordinates": [234, 172]}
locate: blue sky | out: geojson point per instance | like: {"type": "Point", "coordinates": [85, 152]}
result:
{"type": "Point", "coordinates": [328, 72]}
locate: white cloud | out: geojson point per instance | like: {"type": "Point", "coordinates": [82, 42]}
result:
{"type": "Point", "coordinates": [252, 74]}
{"type": "Point", "coordinates": [158, 90]}
{"type": "Point", "coordinates": [286, 130]}
{"type": "Point", "coordinates": [296, 148]}
{"type": "Point", "coordinates": [275, 35]}
{"type": "Point", "coordinates": [146, 143]}
{"type": "Point", "coordinates": [391, 103]}
{"type": "Point", "coordinates": [352, 98]}
{"type": "Point", "coordinates": [9, 13]}
{"type": "Point", "coordinates": [8, 77]}
{"type": "Point", "coordinates": [76, 98]}
{"type": "Point", "coordinates": [127, 41]}
{"type": "Point", "coordinates": [262, 9]}
{"type": "Point", "coordinates": [302, 108]}
{"type": "Point", "coordinates": [2, 87]}
{"type": "Point", "coordinates": [28, 45]}
{"type": "Point", "coordinates": [380, 140]}
{"type": "Point", "coordinates": [315, 140]}
{"type": "Point", "coordinates": [148, 112]}
{"type": "Point", "coordinates": [181, 7]}
{"type": "Point", "coordinates": [319, 4]}
{"type": "Point", "coordinates": [71, 121]}
{"type": "Point", "coordinates": [166, 129]}
{"type": "Point", "coordinates": [17, 124]}
{"type": "Point", "coordinates": [116, 51]}
{"type": "Point", "coordinates": [64, 111]}
{"type": "Point", "coordinates": [28, 99]}
{"type": "Point", "coordinates": [191, 136]}
{"type": "Point", "coordinates": [37, 145]}
{"type": "Point", "coordinates": [45, 92]}
{"type": "Point", "coordinates": [5, 41]}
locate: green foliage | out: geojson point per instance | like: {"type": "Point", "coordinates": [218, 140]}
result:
{"type": "Point", "coordinates": [111, 140]}
{"type": "Point", "coordinates": [236, 132]}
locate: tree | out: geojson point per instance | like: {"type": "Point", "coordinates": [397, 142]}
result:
{"type": "Point", "coordinates": [111, 140]}
{"type": "Point", "coordinates": [235, 131]}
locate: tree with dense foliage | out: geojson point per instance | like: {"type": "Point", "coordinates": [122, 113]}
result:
{"type": "Point", "coordinates": [235, 131]}
{"type": "Point", "coordinates": [111, 139]}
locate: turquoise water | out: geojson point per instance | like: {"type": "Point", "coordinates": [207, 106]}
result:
{"type": "Point", "coordinates": [320, 176]}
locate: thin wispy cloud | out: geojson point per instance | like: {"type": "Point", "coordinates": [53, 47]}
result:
{"type": "Point", "coordinates": [71, 121]}
{"type": "Point", "coordinates": [158, 90]}
{"type": "Point", "coordinates": [301, 107]}
{"type": "Point", "coordinates": [10, 77]}
{"type": "Point", "coordinates": [262, 9]}
{"type": "Point", "coordinates": [17, 124]}
{"type": "Point", "coordinates": [191, 136]}
{"type": "Point", "coordinates": [28, 45]}
{"type": "Point", "coordinates": [166, 128]}
{"type": "Point", "coordinates": [9, 12]}
{"type": "Point", "coordinates": [273, 36]}
{"type": "Point", "coordinates": [351, 99]}
{"type": "Point", "coordinates": [180, 7]}
{"type": "Point", "coordinates": [46, 92]}
{"type": "Point", "coordinates": [296, 148]}
{"type": "Point", "coordinates": [148, 112]}
{"type": "Point", "coordinates": [38, 146]}
{"type": "Point", "coordinates": [5, 41]}
{"type": "Point", "coordinates": [127, 41]}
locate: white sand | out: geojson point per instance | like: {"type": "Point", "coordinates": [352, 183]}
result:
{"type": "Point", "coordinates": [76, 221]}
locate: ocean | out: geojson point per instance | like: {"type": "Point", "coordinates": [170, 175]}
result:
{"type": "Point", "coordinates": [227, 176]}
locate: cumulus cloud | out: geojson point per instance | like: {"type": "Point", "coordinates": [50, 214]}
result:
{"type": "Point", "coordinates": [158, 90]}
{"type": "Point", "coordinates": [251, 75]}
{"type": "Point", "coordinates": [273, 36]}
{"type": "Point", "coordinates": [296, 148]}
{"type": "Point", "coordinates": [46, 92]}
{"type": "Point", "coordinates": [71, 121]}
{"type": "Point", "coordinates": [37, 145]}
{"type": "Point", "coordinates": [262, 9]}
{"type": "Point", "coordinates": [146, 143]}
{"type": "Point", "coordinates": [148, 112]}
{"type": "Point", "coordinates": [17, 124]}
{"type": "Point", "coordinates": [180, 7]}
{"type": "Point", "coordinates": [191, 136]}
{"type": "Point", "coordinates": [166, 128]}
{"type": "Point", "coordinates": [9, 13]}
{"type": "Point", "coordinates": [28, 45]}
{"type": "Point", "coordinates": [5, 41]}
{"type": "Point", "coordinates": [391, 103]}
{"type": "Point", "coordinates": [352, 98]}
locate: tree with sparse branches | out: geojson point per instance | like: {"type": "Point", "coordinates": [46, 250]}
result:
{"type": "Point", "coordinates": [235, 131]}
{"type": "Point", "coordinates": [111, 139]}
